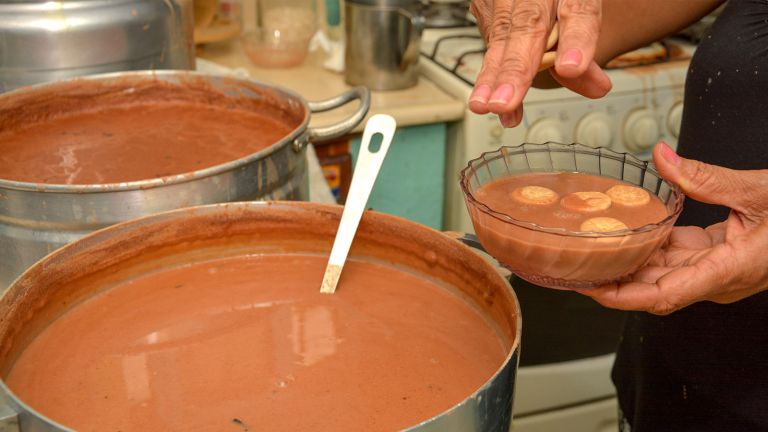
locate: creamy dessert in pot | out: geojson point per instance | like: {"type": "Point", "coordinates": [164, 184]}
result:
{"type": "Point", "coordinates": [249, 343]}
{"type": "Point", "coordinates": [581, 229]}
{"type": "Point", "coordinates": [146, 131]}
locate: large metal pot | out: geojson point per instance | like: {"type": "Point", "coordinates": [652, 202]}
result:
{"type": "Point", "coordinates": [36, 219]}
{"type": "Point", "coordinates": [47, 41]}
{"type": "Point", "coordinates": [94, 263]}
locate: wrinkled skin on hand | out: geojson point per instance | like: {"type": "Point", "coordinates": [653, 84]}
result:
{"type": "Point", "coordinates": [722, 263]}
{"type": "Point", "coordinates": [515, 33]}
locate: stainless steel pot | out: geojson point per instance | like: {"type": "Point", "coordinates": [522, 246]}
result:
{"type": "Point", "coordinates": [48, 41]}
{"type": "Point", "coordinates": [36, 219]}
{"type": "Point", "coordinates": [92, 264]}
{"type": "Point", "coordinates": [382, 43]}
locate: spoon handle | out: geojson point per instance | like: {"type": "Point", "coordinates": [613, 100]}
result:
{"type": "Point", "coordinates": [366, 170]}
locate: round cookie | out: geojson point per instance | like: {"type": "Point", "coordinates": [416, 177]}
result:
{"type": "Point", "coordinates": [602, 224]}
{"type": "Point", "coordinates": [535, 195]}
{"type": "Point", "coordinates": [629, 196]}
{"type": "Point", "coordinates": [586, 202]}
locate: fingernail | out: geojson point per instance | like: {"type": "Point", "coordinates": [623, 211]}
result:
{"type": "Point", "coordinates": [481, 94]}
{"type": "Point", "coordinates": [509, 120]}
{"type": "Point", "coordinates": [506, 120]}
{"type": "Point", "coordinates": [668, 154]}
{"type": "Point", "coordinates": [572, 57]}
{"type": "Point", "coordinates": [502, 95]}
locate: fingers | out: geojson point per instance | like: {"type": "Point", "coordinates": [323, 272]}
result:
{"type": "Point", "coordinates": [658, 290]}
{"type": "Point", "coordinates": [494, 31]}
{"type": "Point", "coordinates": [690, 238]}
{"type": "Point", "coordinates": [593, 83]}
{"type": "Point", "coordinates": [531, 23]}
{"type": "Point", "coordinates": [743, 191]}
{"type": "Point", "coordinates": [705, 275]}
{"type": "Point", "coordinates": [515, 44]}
{"type": "Point", "coordinates": [579, 29]}
{"type": "Point", "coordinates": [516, 36]}
{"type": "Point", "coordinates": [483, 13]}
{"type": "Point", "coordinates": [509, 120]}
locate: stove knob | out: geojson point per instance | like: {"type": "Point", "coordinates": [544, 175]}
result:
{"type": "Point", "coordinates": [545, 130]}
{"type": "Point", "coordinates": [641, 130]}
{"type": "Point", "coordinates": [674, 119]}
{"type": "Point", "coordinates": [594, 130]}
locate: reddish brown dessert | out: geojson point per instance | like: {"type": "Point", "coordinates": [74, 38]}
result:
{"type": "Point", "coordinates": [133, 128]}
{"type": "Point", "coordinates": [563, 206]}
{"type": "Point", "coordinates": [133, 142]}
{"type": "Point", "coordinates": [249, 343]}
{"type": "Point", "coordinates": [581, 196]}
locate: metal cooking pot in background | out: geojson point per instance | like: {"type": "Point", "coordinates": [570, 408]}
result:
{"type": "Point", "coordinates": [47, 41]}
{"type": "Point", "coordinates": [382, 43]}
{"type": "Point", "coordinates": [36, 219]}
{"type": "Point", "coordinates": [80, 270]}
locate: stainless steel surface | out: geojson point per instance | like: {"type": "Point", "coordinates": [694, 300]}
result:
{"type": "Point", "coordinates": [9, 420]}
{"type": "Point", "coordinates": [440, 14]}
{"type": "Point", "coordinates": [47, 41]}
{"type": "Point", "coordinates": [36, 219]}
{"type": "Point", "coordinates": [303, 227]}
{"type": "Point", "coordinates": [383, 39]}
{"type": "Point", "coordinates": [325, 133]}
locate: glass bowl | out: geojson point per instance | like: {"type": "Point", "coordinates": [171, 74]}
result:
{"type": "Point", "coordinates": [556, 257]}
{"type": "Point", "coordinates": [275, 49]}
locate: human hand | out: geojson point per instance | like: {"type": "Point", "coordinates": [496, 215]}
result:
{"type": "Point", "coordinates": [722, 263]}
{"type": "Point", "coordinates": [515, 33]}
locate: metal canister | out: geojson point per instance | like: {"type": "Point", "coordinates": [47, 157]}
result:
{"type": "Point", "coordinates": [48, 41]}
{"type": "Point", "coordinates": [382, 43]}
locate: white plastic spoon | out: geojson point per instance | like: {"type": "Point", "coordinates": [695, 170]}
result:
{"type": "Point", "coordinates": [366, 170]}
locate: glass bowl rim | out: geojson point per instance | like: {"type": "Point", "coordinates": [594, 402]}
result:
{"type": "Point", "coordinates": [548, 147]}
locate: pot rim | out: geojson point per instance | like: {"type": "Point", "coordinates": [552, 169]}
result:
{"type": "Point", "coordinates": [189, 176]}
{"type": "Point", "coordinates": [209, 209]}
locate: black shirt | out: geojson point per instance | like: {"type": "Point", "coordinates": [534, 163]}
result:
{"type": "Point", "coordinates": [705, 367]}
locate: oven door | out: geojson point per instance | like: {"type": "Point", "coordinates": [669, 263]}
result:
{"type": "Point", "coordinates": [567, 352]}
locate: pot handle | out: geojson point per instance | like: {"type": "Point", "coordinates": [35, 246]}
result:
{"type": "Point", "coordinates": [325, 133]}
{"type": "Point", "coordinates": [417, 23]}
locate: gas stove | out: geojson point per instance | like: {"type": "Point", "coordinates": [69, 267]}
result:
{"type": "Point", "coordinates": [446, 13]}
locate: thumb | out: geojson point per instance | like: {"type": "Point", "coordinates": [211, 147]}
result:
{"type": "Point", "coordinates": [707, 183]}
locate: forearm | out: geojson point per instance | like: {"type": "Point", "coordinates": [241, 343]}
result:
{"type": "Point", "coordinates": [592, 32]}
{"type": "Point", "coordinates": [630, 24]}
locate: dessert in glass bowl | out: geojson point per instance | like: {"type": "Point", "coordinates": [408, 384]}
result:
{"type": "Point", "coordinates": [568, 215]}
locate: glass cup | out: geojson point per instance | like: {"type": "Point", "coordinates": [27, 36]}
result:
{"type": "Point", "coordinates": [283, 31]}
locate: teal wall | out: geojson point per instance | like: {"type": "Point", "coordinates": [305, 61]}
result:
{"type": "Point", "coordinates": [411, 183]}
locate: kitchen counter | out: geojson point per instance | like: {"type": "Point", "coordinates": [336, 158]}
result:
{"type": "Point", "coordinates": [422, 104]}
